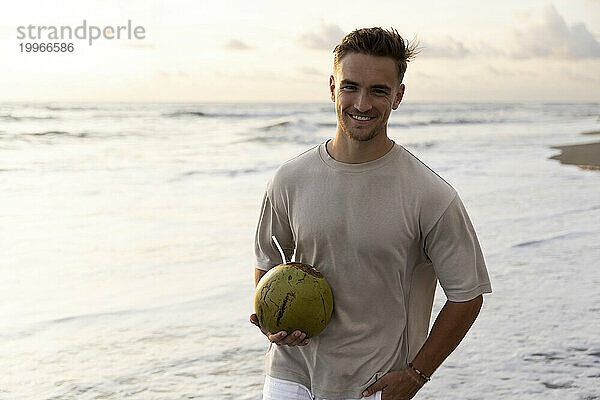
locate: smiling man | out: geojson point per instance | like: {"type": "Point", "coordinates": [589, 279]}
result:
{"type": "Point", "coordinates": [363, 118]}
{"type": "Point", "coordinates": [383, 228]}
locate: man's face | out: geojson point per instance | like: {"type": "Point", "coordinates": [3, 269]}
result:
{"type": "Point", "coordinates": [365, 86]}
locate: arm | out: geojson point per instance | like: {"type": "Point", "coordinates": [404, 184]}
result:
{"type": "Point", "coordinates": [258, 273]}
{"type": "Point", "coordinates": [274, 221]}
{"type": "Point", "coordinates": [450, 327]}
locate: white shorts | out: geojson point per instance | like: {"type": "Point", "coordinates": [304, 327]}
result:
{"type": "Point", "coordinates": [279, 389]}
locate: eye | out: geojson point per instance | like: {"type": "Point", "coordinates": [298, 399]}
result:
{"type": "Point", "coordinates": [349, 87]}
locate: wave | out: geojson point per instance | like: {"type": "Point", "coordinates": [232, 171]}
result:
{"type": "Point", "coordinates": [284, 124]}
{"type": "Point", "coordinates": [459, 121]}
{"type": "Point", "coordinates": [452, 121]}
{"type": "Point", "coordinates": [252, 114]}
{"type": "Point", "coordinates": [411, 124]}
{"type": "Point", "coordinates": [552, 238]}
{"type": "Point", "coordinates": [327, 125]}
{"type": "Point", "coordinates": [420, 145]}
{"type": "Point", "coordinates": [120, 115]}
{"type": "Point", "coordinates": [308, 140]}
{"type": "Point", "coordinates": [9, 117]}
{"type": "Point", "coordinates": [232, 173]}
{"type": "Point", "coordinates": [26, 136]}
{"type": "Point", "coordinates": [179, 114]}
{"type": "Point", "coordinates": [299, 124]}
{"type": "Point", "coordinates": [56, 133]}
{"type": "Point", "coordinates": [30, 329]}
{"type": "Point", "coordinates": [297, 131]}
{"type": "Point", "coordinates": [58, 108]}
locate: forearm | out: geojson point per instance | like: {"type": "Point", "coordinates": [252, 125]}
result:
{"type": "Point", "coordinates": [257, 275]}
{"type": "Point", "coordinates": [450, 327]}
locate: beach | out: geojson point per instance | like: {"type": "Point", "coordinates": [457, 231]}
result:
{"type": "Point", "coordinates": [585, 156]}
{"type": "Point", "coordinates": [128, 229]}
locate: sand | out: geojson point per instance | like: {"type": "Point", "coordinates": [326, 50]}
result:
{"type": "Point", "coordinates": [585, 156]}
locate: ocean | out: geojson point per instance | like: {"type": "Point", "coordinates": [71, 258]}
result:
{"type": "Point", "coordinates": [127, 245]}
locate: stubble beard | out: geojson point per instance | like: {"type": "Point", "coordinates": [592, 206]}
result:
{"type": "Point", "coordinates": [352, 133]}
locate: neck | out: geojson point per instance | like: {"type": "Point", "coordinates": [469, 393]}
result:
{"type": "Point", "coordinates": [343, 149]}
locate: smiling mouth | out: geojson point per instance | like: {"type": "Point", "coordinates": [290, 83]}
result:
{"type": "Point", "coordinates": [360, 118]}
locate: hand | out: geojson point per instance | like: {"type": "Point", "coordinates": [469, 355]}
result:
{"type": "Point", "coordinates": [297, 338]}
{"type": "Point", "coordinates": [396, 385]}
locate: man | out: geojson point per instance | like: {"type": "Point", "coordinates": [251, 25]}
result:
{"type": "Point", "coordinates": [381, 227]}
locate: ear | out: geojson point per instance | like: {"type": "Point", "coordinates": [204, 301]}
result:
{"type": "Point", "coordinates": [332, 87]}
{"type": "Point", "coordinates": [399, 96]}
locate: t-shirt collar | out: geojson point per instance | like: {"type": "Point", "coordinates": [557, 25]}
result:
{"type": "Point", "coordinates": [360, 167]}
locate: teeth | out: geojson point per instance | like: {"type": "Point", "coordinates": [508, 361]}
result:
{"type": "Point", "coordinates": [361, 118]}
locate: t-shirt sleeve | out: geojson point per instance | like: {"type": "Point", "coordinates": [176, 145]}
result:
{"type": "Point", "coordinates": [454, 250]}
{"type": "Point", "coordinates": [272, 222]}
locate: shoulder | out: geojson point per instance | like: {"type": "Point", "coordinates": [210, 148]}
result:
{"type": "Point", "coordinates": [425, 178]}
{"type": "Point", "coordinates": [434, 193]}
{"type": "Point", "coordinates": [295, 168]}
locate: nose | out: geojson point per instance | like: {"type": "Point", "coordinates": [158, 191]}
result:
{"type": "Point", "coordinates": [362, 102]}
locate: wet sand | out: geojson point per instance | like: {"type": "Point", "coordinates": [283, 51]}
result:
{"type": "Point", "coordinates": [585, 156]}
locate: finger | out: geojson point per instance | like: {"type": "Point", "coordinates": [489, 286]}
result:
{"type": "Point", "coordinates": [254, 321]}
{"type": "Point", "coordinates": [278, 337]}
{"type": "Point", "coordinates": [376, 387]}
{"type": "Point", "coordinates": [289, 340]}
{"type": "Point", "coordinates": [305, 342]}
{"type": "Point", "coordinates": [294, 339]}
{"type": "Point", "coordinates": [297, 338]}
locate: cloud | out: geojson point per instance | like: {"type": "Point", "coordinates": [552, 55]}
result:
{"type": "Point", "coordinates": [486, 50]}
{"type": "Point", "coordinates": [235, 44]}
{"type": "Point", "coordinates": [550, 36]}
{"type": "Point", "coordinates": [580, 77]}
{"type": "Point", "coordinates": [508, 72]}
{"type": "Point", "coordinates": [327, 37]}
{"type": "Point", "coordinates": [423, 75]}
{"type": "Point", "coordinates": [448, 48]}
{"type": "Point", "coordinates": [309, 70]}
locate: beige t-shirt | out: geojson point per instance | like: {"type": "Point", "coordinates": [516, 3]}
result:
{"type": "Point", "coordinates": [380, 232]}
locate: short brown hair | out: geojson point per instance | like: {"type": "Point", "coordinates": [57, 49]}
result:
{"type": "Point", "coordinates": [377, 42]}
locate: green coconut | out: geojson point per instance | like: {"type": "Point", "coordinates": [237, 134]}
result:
{"type": "Point", "coordinates": [293, 296]}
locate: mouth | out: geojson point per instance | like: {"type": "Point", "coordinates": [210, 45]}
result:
{"type": "Point", "coordinates": [360, 118]}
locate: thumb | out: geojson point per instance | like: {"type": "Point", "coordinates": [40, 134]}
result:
{"type": "Point", "coordinates": [254, 321]}
{"type": "Point", "coordinates": [376, 387]}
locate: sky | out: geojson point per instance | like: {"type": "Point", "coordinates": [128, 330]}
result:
{"type": "Point", "coordinates": [281, 51]}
